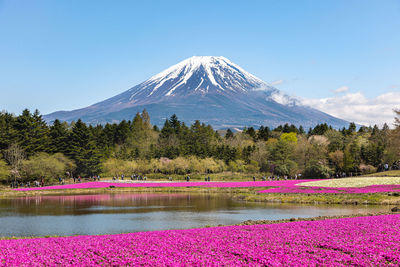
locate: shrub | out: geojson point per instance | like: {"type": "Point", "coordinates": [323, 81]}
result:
{"type": "Point", "coordinates": [366, 169]}
{"type": "Point", "coordinates": [317, 170]}
{"type": "Point", "coordinates": [49, 167]}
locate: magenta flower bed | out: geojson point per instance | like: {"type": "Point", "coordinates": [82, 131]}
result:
{"type": "Point", "coordinates": [168, 184]}
{"type": "Point", "coordinates": [333, 190]}
{"type": "Point", "coordinates": [288, 186]}
{"type": "Point", "coordinates": [362, 241]}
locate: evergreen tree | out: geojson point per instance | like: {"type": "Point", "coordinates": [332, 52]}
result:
{"type": "Point", "coordinates": [58, 137]}
{"type": "Point", "coordinates": [7, 130]}
{"type": "Point", "coordinates": [264, 133]}
{"type": "Point", "coordinates": [319, 129]}
{"type": "Point", "coordinates": [122, 132]}
{"type": "Point", "coordinates": [301, 130]}
{"type": "Point", "coordinates": [31, 132]}
{"type": "Point", "coordinates": [83, 150]}
{"type": "Point", "coordinates": [352, 128]}
{"type": "Point", "coordinates": [250, 132]}
{"type": "Point", "coordinates": [229, 134]}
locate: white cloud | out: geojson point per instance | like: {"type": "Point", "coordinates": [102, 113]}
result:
{"type": "Point", "coordinates": [341, 89]}
{"type": "Point", "coordinates": [358, 108]}
{"type": "Point", "coordinates": [277, 82]}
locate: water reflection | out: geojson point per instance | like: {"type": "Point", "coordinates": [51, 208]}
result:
{"type": "Point", "coordinates": [119, 213]}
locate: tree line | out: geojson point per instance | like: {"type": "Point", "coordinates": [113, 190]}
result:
{"type": "Point", "coordinates": [31, 149]}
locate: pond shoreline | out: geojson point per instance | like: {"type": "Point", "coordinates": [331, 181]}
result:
{"type": "Point", "coordinates": [238, 194]}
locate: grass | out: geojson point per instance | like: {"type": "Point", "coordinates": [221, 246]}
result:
{"type": "Point", "coordinates": [355, 182]}
{"type": "Point", "coordinates": [345, 199]}
{"type": "Point", "coordinates": [394, 173]}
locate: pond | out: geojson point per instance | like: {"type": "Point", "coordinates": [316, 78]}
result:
{"type": "Point", "coordinates": [133, 212]}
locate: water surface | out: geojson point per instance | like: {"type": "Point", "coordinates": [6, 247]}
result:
{"type": "Point", "coordinates": [133, 212]}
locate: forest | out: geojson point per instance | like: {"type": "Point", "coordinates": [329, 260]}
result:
{"type": "Point", "coordinates": [30, 149]}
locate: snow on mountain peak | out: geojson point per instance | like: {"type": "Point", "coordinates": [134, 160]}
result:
{"type": "Point", "coordinates": [199, 74]}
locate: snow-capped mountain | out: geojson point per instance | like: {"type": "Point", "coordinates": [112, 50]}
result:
{"type": "Point", "coordinates": [198, 75]}
{"type": "Point", "coordinates": [211, 89]}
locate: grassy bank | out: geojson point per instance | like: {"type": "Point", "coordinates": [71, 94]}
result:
{"type": "Point", "coordinates": [319, 218]}
{"type": "Point", "coordinates": [348, 199]}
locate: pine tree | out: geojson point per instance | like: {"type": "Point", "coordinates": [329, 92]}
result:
{"type": "Point", "coordinates": [7, 131]}
{"type": "Point", "coordinates": [301, 130]}
{"type": "Point", "coordinates": [31, 132]}
{"type": "Point", "coordinates": [83, 150]}
{"type": "Point", "coordinates": [229, 134]}
{"type": "Point", "coordinates": [58, 137]}
{"type": "Point", "coordinates": [264, 133]}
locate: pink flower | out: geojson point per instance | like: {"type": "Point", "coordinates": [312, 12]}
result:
{"type": "Point", "coordinates": [362, 241]}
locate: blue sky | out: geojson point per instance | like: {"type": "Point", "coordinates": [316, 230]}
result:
{"type": "Point", "coordinates": [62, 55]}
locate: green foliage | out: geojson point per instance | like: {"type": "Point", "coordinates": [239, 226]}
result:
{"type": "Point", "coordinates": [58, 137]}
{"type": "Point", "coordinates": [289, 137]}
{"type": "Point", "coordinates": [336, 140]}
{"type": "Point", "coordinates": [31, 132]}
{"type": "Point", "coordinates": [282, 151]}
{"type": "Point", "coordinates": [176, 148]}
{"type": "Point", "coordinates": [48, 167]}
{"type": "Point", "coordinates": [4, 171]}
{"type": "Point", "coordinates": [287, 167]}
{"type": "Point", "coordinates": [264, 133]}
{"type": "Point", "coordinates": [180, 165]}
{"type": "Point", "coordinates": [317, 170]}
{"type": "Point", "coordinates": [83, 150]}
{"type": "Point", "coordinates": [319, 129]}
{"type": "Point", "coordinates": [229, 134]}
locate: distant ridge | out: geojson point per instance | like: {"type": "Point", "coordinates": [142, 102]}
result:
{"type": "Point", "coordinates": [210, 89]}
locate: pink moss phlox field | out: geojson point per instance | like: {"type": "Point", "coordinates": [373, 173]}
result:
{"type": "Point", "coordinates": [333, 190]}
{"type": "Point", "coordinates": [168, 184]}
{"type": "Point", "coordinates": [360, 241]}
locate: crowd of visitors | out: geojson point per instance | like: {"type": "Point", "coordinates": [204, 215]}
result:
{"type": "Point", "coordinates": [19, 184]}
{"type": "Point", "coordinates": [134, 177]}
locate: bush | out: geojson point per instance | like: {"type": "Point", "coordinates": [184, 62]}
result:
{"type": "Point", "coordinates": [317, 170]}
{"type": "Point", "coordinates": [49, 167]}
{"type": "Point", "coordinates": [367, 169]}
{"type": "Point", "coordinates": [286, 168]}
{"type": "Point", "coordinates": [252, 167]}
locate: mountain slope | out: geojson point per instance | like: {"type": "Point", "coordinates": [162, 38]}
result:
{"type": "Point", "coordinates": [211, 89]}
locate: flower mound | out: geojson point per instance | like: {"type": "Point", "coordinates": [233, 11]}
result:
{"type": "Point", "coordinates": [362, 241]}
{"type": "Point", "coordinates": [168, 184]}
